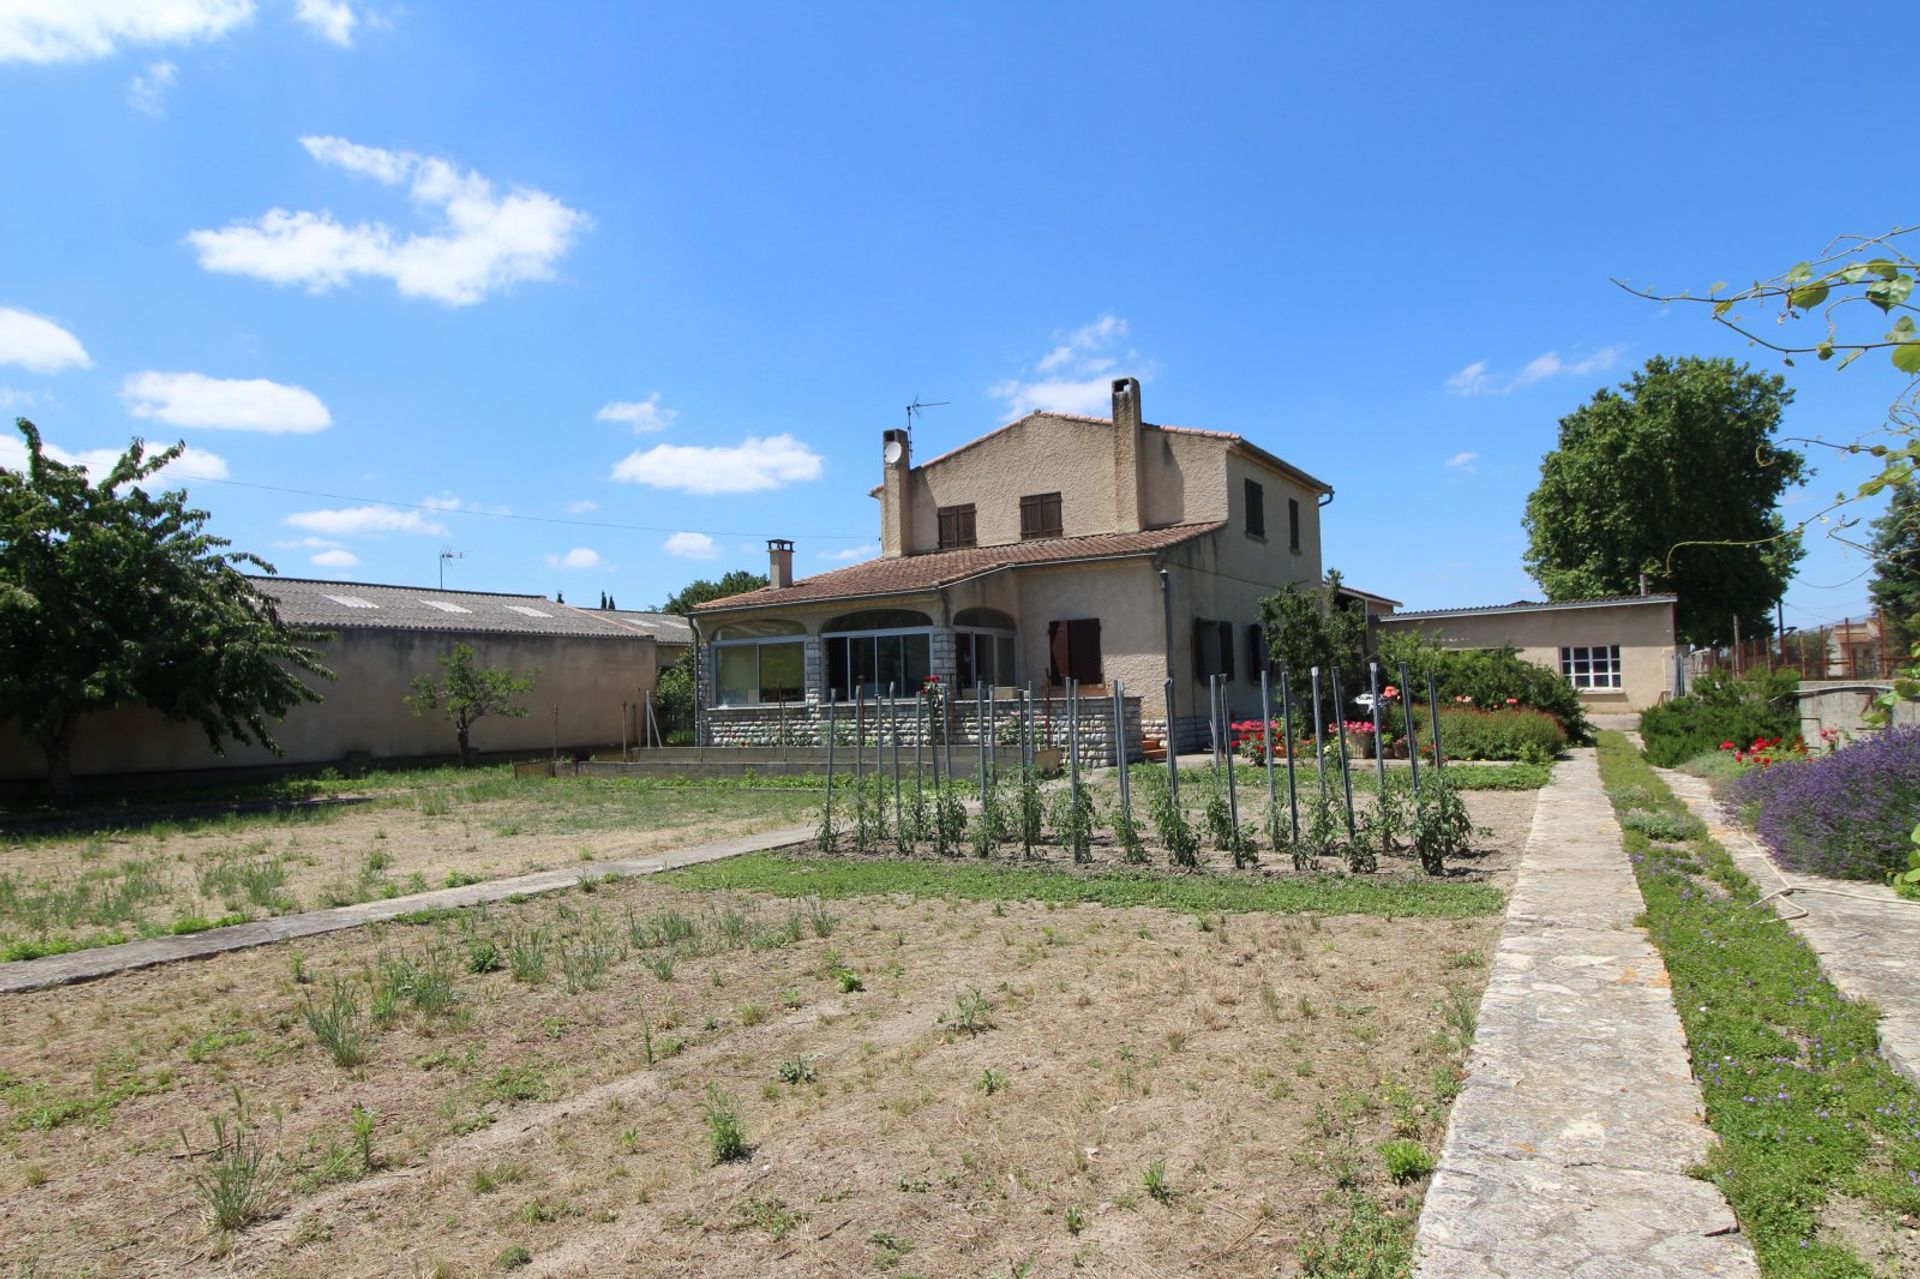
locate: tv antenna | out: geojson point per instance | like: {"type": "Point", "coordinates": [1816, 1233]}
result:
{"type": "Point", "coordinates": [919, 407]}
{"type": "Point", "coordinates": [448, 553]}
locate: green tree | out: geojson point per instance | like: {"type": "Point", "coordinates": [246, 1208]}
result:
{"type": "Point", "coordinates": [1674, 475]}
{"type": "Point", "coordinates": [1896, 582]}
{"type": "Point", "coordinates": [738, 582]}
{"type": "Point", "coordinates": [1307, 627]}
{"type": "Point", "coordinates": [468, 693]}
{"type": "Point", "coordinates": [673, 699]}
{"type": "Point", "coordinates": [112, 596]}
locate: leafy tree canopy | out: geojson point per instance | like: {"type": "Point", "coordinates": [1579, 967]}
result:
{"type": "Point", "coordinates": [738, 582]}
{"type": "Point", "coordinates": [468, 692]}
{"type": "Point", "coordinates": [112, 596]}
{"type": "Point", "coordinates": [1674, 475]}
{"type": "Point", "coordinates": [1307, 627]}
{"type": "Point", "coordinates": [1896, 582]}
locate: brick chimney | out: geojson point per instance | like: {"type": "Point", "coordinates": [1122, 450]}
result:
{"type": "Point", "coordinates": [1129, 491]}
{"type": "Point", "coordinates": [779, 563]}
{"type": "Point", "coordinates": [896, 499]}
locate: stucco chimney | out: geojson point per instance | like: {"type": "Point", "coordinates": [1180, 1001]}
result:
{"type": "Point", "coordinates": [779, 563]}
{"type": "Point", "coordinates": [1129, 493]}
{"type": "Point", "coordinates": [896, 500]}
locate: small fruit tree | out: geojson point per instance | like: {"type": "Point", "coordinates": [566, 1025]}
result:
{"type": "Point", "coordinates": [468, 692]}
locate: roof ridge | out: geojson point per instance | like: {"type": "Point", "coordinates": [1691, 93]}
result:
{"type": "Point", "coordinates": [393, 586]}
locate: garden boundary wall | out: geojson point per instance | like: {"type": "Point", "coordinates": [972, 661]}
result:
{"type": "Point", "coordinates": [1842, 705]}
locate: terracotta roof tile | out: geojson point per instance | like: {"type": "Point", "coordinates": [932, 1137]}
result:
{"type": "Point", "coordinates": [1533, 606]}
{"type": "Point", "coordinates": [944, 568]}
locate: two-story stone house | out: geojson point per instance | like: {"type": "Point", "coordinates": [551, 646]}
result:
{"type": "Point", "coordinates": [1057, 547]}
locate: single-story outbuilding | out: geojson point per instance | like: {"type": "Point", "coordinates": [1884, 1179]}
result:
{"type": "Point", "coordinates": [594, 667]}
{"type": "Point", "coordinates": [1620, 652]}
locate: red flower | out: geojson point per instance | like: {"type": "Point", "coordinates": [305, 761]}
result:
{"type": "Point", "coordinates": [1728, 746]}
{"type": "Point", "coordinates": [1513, 701]}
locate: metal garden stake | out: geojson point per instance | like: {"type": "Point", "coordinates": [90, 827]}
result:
{"type": "Point", "coordinates": [1346, 773]}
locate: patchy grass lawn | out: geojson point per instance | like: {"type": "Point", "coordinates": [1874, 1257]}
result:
{"type": "Point", "coordinates": [163, 872]}
{"type": "Point", "coordinates": [920, 1081]}
{"type": "Point", "coordinates": [1819, 1136]}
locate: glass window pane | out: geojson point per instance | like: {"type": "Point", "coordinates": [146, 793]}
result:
{"type": "Point", "coordinates": [837, 677]}
{"type": "Point", "coordinates": [919, 661]}
{"type": "Point", "coordinates": [865, 664]}
{"type": "Point", "coordinates": [782, 669]}
{"type": "Point", "coordinates": [1003, 674]}
{"type": "Point", "coordinates": [737, 681]}
{"type": "Point", "coordinates": [892, 673]}
{"type": "Point", "coordinates": [963, 660]}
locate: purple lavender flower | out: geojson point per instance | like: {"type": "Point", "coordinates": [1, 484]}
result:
{"type": "Point", "coordinates": [1848, 815]}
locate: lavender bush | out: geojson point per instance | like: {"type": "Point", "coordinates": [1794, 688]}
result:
{"type": "Point", "coordinates": [1848, 815]}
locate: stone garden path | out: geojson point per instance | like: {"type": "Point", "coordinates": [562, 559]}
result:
{"type": "Point", "coordinates": [1568, 1149]}
{"type": "Point", "coordinates": [104, 961]}
{"type": "Point", "coordinates": [1865, 937]}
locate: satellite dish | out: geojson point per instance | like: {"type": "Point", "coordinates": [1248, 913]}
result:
{"type": "Point", "coordinates": [893, 451]}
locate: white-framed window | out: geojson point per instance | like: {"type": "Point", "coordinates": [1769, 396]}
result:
{"type": "Point", "coordinates": [983, 649]}
{"type": "Point", "coordinates": [1597, 666]}
{"type": "Point", "coordinates": [756, 662]}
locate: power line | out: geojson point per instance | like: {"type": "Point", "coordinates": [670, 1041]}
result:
{"type": "Point", "coordinates": [532, 519]}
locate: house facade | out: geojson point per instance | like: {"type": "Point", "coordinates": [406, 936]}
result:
{"type": "Point", "coordinates": [1619, 654]}
{"type": "Point", "coordinates": [1057, 548]}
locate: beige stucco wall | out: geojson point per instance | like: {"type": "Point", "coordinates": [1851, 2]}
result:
{"type": "Point", "coordinates": [1644, 633]}
{"type": "Point", "coordinates": [362, 712]}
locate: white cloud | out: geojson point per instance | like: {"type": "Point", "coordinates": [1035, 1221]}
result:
{"type": "Point", "coordinates": [691, 546]}
{"type": "Point", "coordinates": [1478, 378]}
{"type": "Point", "coordinates": [336, 559]}
{"type": "Point", "coordinates": [194, 464]}
{"type": "Point", "coordinates": [358, 520]}
{"type": "Point", "coordinates": [1472, 380]}
{"type": "Point", "coordinates": [37, 343]}
{"type": "Point", "coordinates": [1551, 365]}
{"type": "Point", "coordinates": [485, 241]}
{"type": "Point", "coordinates": [752, 466]}
{"type": "Point", "coordinates": [11, 399]}
{"type": "Point", "coordinates": [1076, 375]}
{"type": "Point", "coordinates": [306, 543]}
{"type": "Point", "coordinates": [582, 507]}
{"type": "Point", "coordinates": [228, 404]}
{"type": "Point", "coordinates": [331, 20]}
{"type": "Point", "coordinates": [578, 557]}
{"type": "Point", "coordinates": [642, 415]}
{"type": "Point", "coordinates": [867, 551]}
{"type": "Point", "coordinates": [1463, 461]}
{"type": "Point", "coordinates": [76, 30]}
{"type": "Point", "coordinates": [148, 90]}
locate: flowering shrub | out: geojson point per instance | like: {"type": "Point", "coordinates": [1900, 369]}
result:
{"type": "Point", "coordinates": [1721, 709]}
{"type": "Point", "coordinates": [1507, 732]}
{"type": "Point", "coordinates": [1487, 678]}
{"type": "Point", "coordinates": [1764, 752]}
{"type": "Point", "coordinates": [1848, 814]}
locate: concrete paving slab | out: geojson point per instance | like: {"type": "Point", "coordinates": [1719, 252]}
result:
{"type": "Point", "coordinates": [105, 961]}
{"type": "Point", "coordinates": [1864, 935]}
{"type": "Point", "coordinates": [1568, 1149]}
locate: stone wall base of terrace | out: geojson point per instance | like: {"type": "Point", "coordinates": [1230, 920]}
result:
{"type": "Point", "coordinates": [794, 729]}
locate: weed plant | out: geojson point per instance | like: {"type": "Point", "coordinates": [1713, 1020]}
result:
{"type": "Point", "coordinates": [527, 952]}
{"type": "Point", "coordinates": [726, 1132]}
{"type": "Point", "coordinates": [1442, 827]}
{"type": "Point", "coordinates": [338, 1025]}
{"type": "Point", "coordinates": [236, 1183]}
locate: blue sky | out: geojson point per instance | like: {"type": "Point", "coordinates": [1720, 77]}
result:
{"type": "Point", "coordinates": [587, 263]}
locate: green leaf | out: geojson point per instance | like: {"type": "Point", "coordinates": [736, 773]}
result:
{"type": "Point", "coordinates": [1807, 296]}
{"type": "Point", "coordinates": [1801, 271]}
{"type": "Point", "coordinates": [1906, 357]}
{"type": "Point", "coordinates": [1883, 268]}
{"type": "Point", "coordinates": [1853, 274]}
{"type": "Point", "coordinates": [1847, 359]}
{"type": "Point", "coordinates": [1825, 350]}
{"type": "Point", "coordinates": [1901, 327]}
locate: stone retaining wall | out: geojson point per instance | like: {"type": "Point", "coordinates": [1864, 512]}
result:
{"type": "Point", "coordinates": [796, 724]}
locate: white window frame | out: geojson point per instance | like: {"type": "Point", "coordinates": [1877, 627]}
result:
{"type": "Point", "coordinates": [756, 642]}
{"type": "Point", "coordinates": [826, 661]}
{"type": "Point", "coordinates": [996, 633]}
{"type": "Point", "coordinates": [1592, 667]}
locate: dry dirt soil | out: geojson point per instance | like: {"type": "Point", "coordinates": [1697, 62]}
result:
{"type": "Point", "coordinates": [321, 856]}
{"type": "Point", "coordinates": [557, 1126]}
